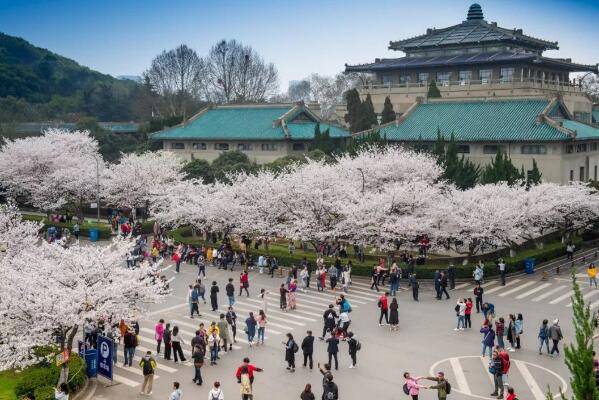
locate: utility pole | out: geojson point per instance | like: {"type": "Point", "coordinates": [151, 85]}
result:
{"type": "Point", "coordinates": [363, 180]}
{"type": "Point", "coordinates": [98, 190]}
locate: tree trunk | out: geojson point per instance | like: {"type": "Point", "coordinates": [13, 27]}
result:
{"type": "Point", "coordinates": [64, 371]}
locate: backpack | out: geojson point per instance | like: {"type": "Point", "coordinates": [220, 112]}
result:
{"type": "Point", "coordinates": [295, 347]}
{"type": "Point", "coordinates": [329, 392]}
{"type": "Point", "coordinates": [194, 295]}
{"type": "Point", "coordinates": [147, 367]}
{"type": "Point", "coordinates": [457, 309]}
{"type": "Point", "coordinates": [358, 346]}
{"type": "Point", "coordinates": [406, 389]}
{"type": "Point", "coordinates": [447, 387]}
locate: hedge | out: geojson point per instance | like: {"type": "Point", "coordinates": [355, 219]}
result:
{"type": "Point", "coordinates": [104, 229]}
{"type": "Point", "coordinates": [549, 251]}
{"type": "Point", "coordinates": [37, 380]}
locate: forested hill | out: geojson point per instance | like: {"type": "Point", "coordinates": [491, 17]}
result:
{"type": "Point", "coordinates": [37, 84]}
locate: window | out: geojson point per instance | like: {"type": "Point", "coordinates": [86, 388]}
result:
{"type": "Point", "coordinates": [493, 149]}
{"type": "Point", "coordinates": [571, 175]}
{"type": "Point", "coordinates": [198, 146]}
{"type": "Point", "coordinates": [581, 174]}
{"type": "Point", "coordinates": [595, 173]}
{"type": "Point", "coordinates": [594, 146]}
{"type": "Point", "coordinates": [405, 79]}
{"type": "Point", "coordinates": [269, 147]}
{"type": "Point", "coordinates": [463, 148]}
{"type": "Point", "coordinates": [485, 75]}
{"type": "Point", "coordinates": [582, 117]}
{"type": "Point", "coordinates": [465, 76]}
{"type": "Point", "coordinates": [533, 149]}
{"type": "Point", "coordinates": [178, 146]}
{"type": "Point", "coordinates": [507, 74]}
{"type": "Point", "coordinates": [569, 149]}
{"type": "Point", "coordinates": [443, 77]}
{"type": "Point", "coordinates": [299, 147]}
{"type": "Point", "coordinates": [423, 77]}
{"type": "Point", "coordinates": [244, 147]}
{"type": "Point", "coordinates": [581, 148]}
{"type": "Point", "coordinates": [387, 79]}
{"type": "Point", "coordinates": [221, 146]}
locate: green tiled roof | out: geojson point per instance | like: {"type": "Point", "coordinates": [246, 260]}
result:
{"type": "Point", "coordinates": [583, 131]}
{"type": "Point", "coordinates": [509, 120]}
{"type": "Point", "coordinates": [243, 123]}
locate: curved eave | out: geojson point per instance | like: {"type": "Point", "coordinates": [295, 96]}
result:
{"type": "Point", "coordinates": [572, 67]}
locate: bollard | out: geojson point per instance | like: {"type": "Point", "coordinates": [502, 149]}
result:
{"type": "Point", "coordinates": [557, 270]}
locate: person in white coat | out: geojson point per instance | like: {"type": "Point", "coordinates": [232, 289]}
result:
{"type": "Point", "coordinates": [176, 394]}
{"type": "Point", "coordinates": [216, 393]}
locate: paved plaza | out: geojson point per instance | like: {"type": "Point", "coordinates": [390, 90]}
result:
{"type": "Point", "coordinates": [425, 343]}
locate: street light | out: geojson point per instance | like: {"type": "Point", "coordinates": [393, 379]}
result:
{"type": "Point", "coordinates": [363, 180]}
{"type": "Point", "coordinates": [97, 189]}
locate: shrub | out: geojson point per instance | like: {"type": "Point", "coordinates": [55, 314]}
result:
{"type": "Point", "coordinates": [44, 393]}
{"type": "Point", "coordinates": [104, 230]}
{"type": "Point", "coordinates": [35, 380]}
{"type": "Point", "coordinates": [77, 376]}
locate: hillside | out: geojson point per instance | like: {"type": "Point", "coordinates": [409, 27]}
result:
{"type": "Point", "coordinates": [37, 85]}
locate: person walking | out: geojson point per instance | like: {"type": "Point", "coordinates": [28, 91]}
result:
{"type": "Point", "coordinates": [167, 341]}
{"type": "Point", "coordinates": [194, 298]}
{"type": "Point", "coordinates": [291, 303]}
{"type": "Point", "coordinates": [213, 296]}
{"type": "Point", "coordinates": [505, 364]}
{"type": "Point", "coordinates": [411, 387]}
{"type": "Point", "coordinates": [502, 270]}
{"type": "Point", "coordinates": [443, 283]}
{"type": "Point", "coordinates": [383, 305]}
{"type": "Point", "coordinates": [488, 339]}
{"type": "Point", "coordinates": [201, 266]}
{"type": "Point", "coordinates": [129, 343]}
{"type": "Point", "coordinates": [442, 385]}
{"type": "Point", "coordinates": [332, 272]}
{"type": "Point", "coordinates": [308, 349]}
{"type": "Point", "coordinates": [496, 370]}
{"type": "Point", "coordinates": [290, 349]}
{"type": "Point", "coordinates": [283, 297]}
{"type": "Point", "coordinates": [468, 313]}
{"type": "Point", "coordinates": [307, 394]}
{"type": "Point", "coordinates": [231, 318]}
{"type": "Point", "coordinates": [415, 286]}
{"type": "Point", "coordinates": [451, 276]}
{"type": "Point", "coordinates": [250, 328]}
{"type": "Point", "coordinates": [147, 365]}
{"type": "Point", "coordinates": [544, 336]}
{"type": "Point", "coordinates": [570, 248]}
{"type": "Point", "coordinates": [511, 332]}
{"type": "Point", "coordinates": [394, 314]}
{"type": "Point", "coordinates": [223, 331]}
{"type": "Point", "coordinates": [500, 331]}
{"type": "Point", "coordinates": [159, 335]}
{"type": "Point", "coordinates": [333, 349]}
{"type": "Point", "coordinates": [177, 341]}
{"type": "Point", "coordinates": [331, 390]}
{"type": "Point", "coordinates": [555, 333]}
{"type": "Point", "coordinates": [460, 310]}
{"type": "Point", "coordinates": [230, 291]}
{"type": "Point", "coordinates": [330, 321]}
{"type": "Point", "coordinates": [353, 347]}
{"type": "Point", "coordinates": [250, 369]}
{"type": "Point", "coordinates": [244, 283]}
{"type": "Point", "coordinates": [394, 277]}
{"type": "Point", "coordinates": [519, 326]}
{"type": "Point", "coordinates": [198, 362]}
{"type": "Point", "coordinates": [478, 295]}
{"type": "Point", "coordinates": [213, 345]}
{"type": "Point", "coordinates": [479, 273]}
{"type": "Point", "coordinates": [261, 326]}
{"type": "Point", "coordinates": [592, 274]}
{"type": "Point", "coordinates": [245, 384]}
{"type": "Point", "coordinates": [216, 393]}
{"type": "Point", "coordinates": [437, 283]}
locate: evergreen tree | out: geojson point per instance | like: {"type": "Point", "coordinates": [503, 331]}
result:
{"type": "Point", "coordinates": [354, 108]}
{"type": "Point", "coordinates": [367, 140]}
{"type": "Point", "coordinates": [433, 91]}
{"type": "Point", "coordinates": [388, 115]}
{"type": "Point", "coordinates": [439, 148]}
{"type": "Point", "coordinates": [367, 115]}
{"type": "Point", "coordinates": [466, 174]}
{"type": "Point", "coordinates": [419, 146]}
{"type": "Point", "coordinates": [535, 175]}
{"type": "Point", "coordinates": [579, 354]}
{"type": "Point", "coordinates": [501, 169]}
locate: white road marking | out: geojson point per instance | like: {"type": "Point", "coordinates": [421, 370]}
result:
{"type": "Point", "coordinates": [485, 362]}
{"type": "Point", "coordinates": [461, 286]}
{"type": "Point", "coordinates": [287, 315]}
{"type": "Point", "coordinates": [530, 381]}
{"type": "Point", "coordinates": [498, 288]}
{"type": "Point", "coordinates": [125, 381]}
{"type": "Point", "coordinates": [538, 288]}
{"type": "Point", "coordinates": [517, 288]}
{"type": "Point", "coordinates": [587, 296]}
{"type": "Point", "coordinates": [549, 293]}
{"type": "Point", "coordinates": [159, 365]}
{"type": "Point", "coordinates": [459, 376]}
{"type": "Point", "coordinates": [169, 280]}
{"type": "Point", "coordinates": [562, 297]}
{"type": "Point", "coordinates": [161, 311]}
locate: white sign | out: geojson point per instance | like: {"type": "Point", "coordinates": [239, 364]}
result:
{"type": "Point", "coordinates": [93, 205]}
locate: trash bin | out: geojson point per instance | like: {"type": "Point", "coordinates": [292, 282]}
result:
{"type": "Point", "coordinates": [94, 234]}
{"type": "Point", "coordinates": [91, 361]}
{"type": "Point", "coordinates": [529, 265]}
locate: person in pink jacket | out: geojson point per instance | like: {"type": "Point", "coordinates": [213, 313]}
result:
{"type": "Point", "coordinates": [412, 386]}
{"type": "Point", "coordinates": [159, 335]}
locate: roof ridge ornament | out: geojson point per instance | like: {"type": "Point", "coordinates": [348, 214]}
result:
{"type": "Point", "coordinates": [475, 13]}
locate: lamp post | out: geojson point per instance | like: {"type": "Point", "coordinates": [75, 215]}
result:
{"type": "Point", "coordinates": [97, 190]}
{"type": "Point", "coordinates": [363, 180]}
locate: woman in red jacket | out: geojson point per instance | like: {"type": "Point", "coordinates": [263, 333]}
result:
{"type": "Point", "coordinates": [244, 283]}
{"type": "Point", "coordinates": [468, 314]}
{"type": "Point", "coordinates": [511, 395]}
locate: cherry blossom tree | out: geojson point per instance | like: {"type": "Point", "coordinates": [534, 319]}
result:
{"type": "Point", "coordinates": [48, 291]}
{"type": "Point", "coordinates": [52, 170]}
{"type": "Point", "coordinates": [139, 178]}
{"type": "Point", "coordinates": [16, 234]}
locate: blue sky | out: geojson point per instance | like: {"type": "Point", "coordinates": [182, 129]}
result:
{"type": "Point", "coordinates": [299, 37]}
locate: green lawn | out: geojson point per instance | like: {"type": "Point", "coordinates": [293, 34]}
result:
{"type": "Point", "coordinates": [8, 381]}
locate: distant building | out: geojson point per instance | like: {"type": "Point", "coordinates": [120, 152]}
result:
{"type": "Point", "coordinates": [264, 132]}
{"type": "Point", "coordinates": [474, 59]}
{"type": "Point", "coordinates": [498, 93]}
{"type": "Point", "coordinates": [36, 128]}
{"type": "Point", "coordinates": [134, 78]}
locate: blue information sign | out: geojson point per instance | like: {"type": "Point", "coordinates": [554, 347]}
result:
{"type": "Point", "coordinates": [91, 360]}
{"type": "Point", "coordinates": [105, 354]}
